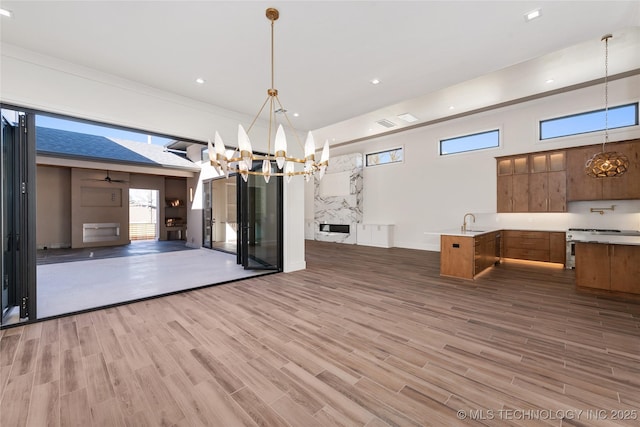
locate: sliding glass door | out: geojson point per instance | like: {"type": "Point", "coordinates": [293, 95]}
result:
{"type": "Point", "coordinates": [18, 263]}
{"type": "Point", "coordinates": [260, 232]}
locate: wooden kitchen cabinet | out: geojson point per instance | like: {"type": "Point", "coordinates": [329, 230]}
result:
{"type": "Point", "coordinates": [583, 187]}
{"type": "Point", "coordinates": [557, 247]}
{"type": "Point", "coordinates": [608, 267]}
{"type": "Point", "coordinates": [485, 252]}
{"type": "Point", "coordinates": [457, 256]}
{"type": "Point", "coordinates": [547, 182]}
{"type": "Point", "coordinates": [543, 246]}
{"type": "Point", "coordinates": [529, 245]}
{"type": "Point", "coordinates": [467, 256]}
{"type": "Point", "coordinates": [513, 184]}
{"type": "Point", "coordinates": [625, 268]}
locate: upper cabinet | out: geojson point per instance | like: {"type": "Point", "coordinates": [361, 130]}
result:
{"type": "Point", "coordinates": [548, 182]}
{"type": "Point", "coordinates": [583, 187]}
{"type": "Point", "coordinates": [513, 184]}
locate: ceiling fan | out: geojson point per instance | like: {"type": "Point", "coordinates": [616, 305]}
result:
{"type": "Point", "coordinates": [107, 179]}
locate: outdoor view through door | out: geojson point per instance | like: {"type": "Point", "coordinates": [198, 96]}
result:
{"type": "Point", "coordinates": [220, 214]}
{"type": "Point", "coordinates": [94, 215]}
{"type": "Point", "coordinates": [143, 214]}
{"type": "Point", "coordinates": [261, 222]}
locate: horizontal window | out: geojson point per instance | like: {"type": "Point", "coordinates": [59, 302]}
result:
{"type": "Point", "coordinates": [395, 155]}
{"type": "Point", "coordinates": [473, 142]}
{"type": "Point", "coordinates": [591, 121]}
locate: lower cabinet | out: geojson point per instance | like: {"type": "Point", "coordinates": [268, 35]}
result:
{"type": "Point", "coordinates": [529, 245]}
{"type": "Point", "coordinates": [608, 267]}
{"type": "Point", "coordinates": [485, 252]}
{"type": "Point", "coordinates": [465, 257]}
{"type": "Point", "coordinates": [380, 235]}
{"type": "Point", "coordinates": [457, 256]}
{"type": "Point", "coordinates": [534, 245]}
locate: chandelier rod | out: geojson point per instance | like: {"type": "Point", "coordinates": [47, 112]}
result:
{"type": "Point", "coordinates": [606, 38]}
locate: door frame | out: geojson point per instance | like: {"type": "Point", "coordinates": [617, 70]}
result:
{"type": "Point", "coordinates": [244, 217]}
{"type": "Point", "coordinates": [24, 214]}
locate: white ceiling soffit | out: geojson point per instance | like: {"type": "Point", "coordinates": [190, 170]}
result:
{"type": "Point", "coordinates": [427, 55]}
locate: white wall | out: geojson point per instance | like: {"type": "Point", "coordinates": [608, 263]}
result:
{"type": "Point", "coordinates": [29, 79]}
{"type": "Point", "coordinates": [427, 193]}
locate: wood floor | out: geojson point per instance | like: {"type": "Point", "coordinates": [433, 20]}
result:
{"type": "Point", "coordinates": [364, 336]}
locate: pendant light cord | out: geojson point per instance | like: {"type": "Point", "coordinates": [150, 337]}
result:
{"type": "Point", "coordinates": [606, 90]}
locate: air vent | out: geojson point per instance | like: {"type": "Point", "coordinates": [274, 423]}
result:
{"type": "Point", "coordinates": [386, 123]}
{"type": "Point", "coordinates": [408, 117]}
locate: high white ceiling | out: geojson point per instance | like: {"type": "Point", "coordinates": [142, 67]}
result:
{"type": "Point", "coordinates": [428, 55]}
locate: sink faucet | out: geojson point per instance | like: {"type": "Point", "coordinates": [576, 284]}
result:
{"type": "Point", "coordinates": [464, 221]}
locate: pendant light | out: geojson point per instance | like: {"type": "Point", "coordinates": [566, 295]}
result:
{"type": "Point", "coordinates": [280, 163]}
{"type": "Point", "coordinates": [606, 164]}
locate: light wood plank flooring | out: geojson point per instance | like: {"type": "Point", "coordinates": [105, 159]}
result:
{"type": "Point", "coordinates": [364, 336]}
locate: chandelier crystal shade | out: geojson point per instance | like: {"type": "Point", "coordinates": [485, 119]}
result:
{"type": "Point", "coordinates": [280, 163]}
{"type": "Point", "coordinates": [606, 163]}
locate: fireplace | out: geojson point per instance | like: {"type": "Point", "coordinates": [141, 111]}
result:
{"type": "Point", "coordinates": [334, 228]}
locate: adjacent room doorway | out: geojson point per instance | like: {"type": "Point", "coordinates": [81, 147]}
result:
{"type": "Point", "coordinates": [143, 214]}
{"type": "Point", "coordinates": [220, 214]}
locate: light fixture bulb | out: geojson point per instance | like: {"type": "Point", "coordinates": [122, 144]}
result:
{"type": "Point", "coordinates": [280, 147]}
{"type": "Point", "coordinates": [244, 145]}
{"type": "Point", "coordinates": [266, 170]}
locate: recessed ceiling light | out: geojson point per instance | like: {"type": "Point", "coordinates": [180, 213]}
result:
{"type": "Point", "coordinates": [408, 117]}
{"type": "Point", "coordinates": [375, 81]}
{"type": "Point", "coordinates": [530, 16]}
{"type": "Point", "coordinates": [451, 107]}
{"type": "Point", "coordinates": [200, 81]}
{"type": "Point", "coordinates": [549, 81]}
{"type": "Point", "coordinates": [296, 115]}
{"type": "Point", "coordinates": [5, 12]}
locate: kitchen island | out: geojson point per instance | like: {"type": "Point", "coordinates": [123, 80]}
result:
{"type": "Point", "coordinates": [465, 254]}
{"type": "Point", "coordinates": [608, 262]}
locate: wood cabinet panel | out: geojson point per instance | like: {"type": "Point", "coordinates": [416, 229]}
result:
{"type": "Point", "coordinates": [528, 245]}
{"type": "Point", "coordinates": [513, 184]}
{"type": "Point", "coordinates": [527, 254]}
{"type": "Point", "coordinates": [557, 195]}
{"type": "Point", "coordinates": [579, 185]}
{"type": "Point", "coordinates": [582, 187]}
{"type": "Point", "coordinates": [547, 182]}
{"type": "Point", "coordinates": [505, 190]}
{"type": "Point", "coordinates": [625, 268]}
{"type": "Point", "coordinates": [538, 192]}
{"type": "Point", "coordinates": [592, 265]}
{"type": "Point", "coordinates": [513, 193]}
{"type": "Point", "coordinates": [457, 255]}
{"type": "Point", "coordinates": [520, 193]}
{"type": "Point", "coordinates": [557, 247]}
{"type": "Point", "coordinates": [628, 185]}
{"type": "Point", "coordinates": [485, 252]}
{"type": "Point", "coordinates": [532, 183]}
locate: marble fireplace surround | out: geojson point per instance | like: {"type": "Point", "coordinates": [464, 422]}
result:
{"type": "Point", "coordinates": [338, 199]}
